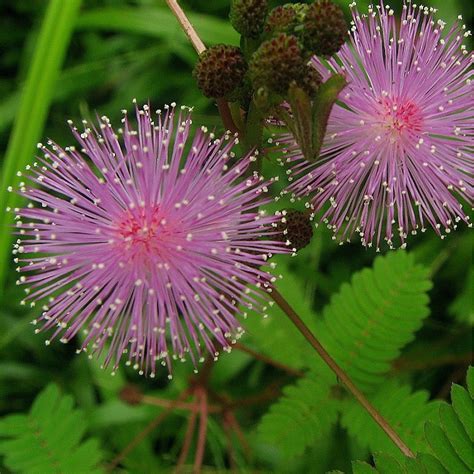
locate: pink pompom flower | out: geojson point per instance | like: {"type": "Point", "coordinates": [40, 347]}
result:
{"type": "Point", "coordinates": [398, 154]}
{"type": "Point", "coordinates": [149, 242]}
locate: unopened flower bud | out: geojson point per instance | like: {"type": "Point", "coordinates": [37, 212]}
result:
{"type": "Point", "coordinates": [277, 63]}
{"type": "Point", "coordinates": [220, 70]}
{"type": "Point", "coordinates": [286, 18]}
{"type": "Point", "coordinates": [325, 28]}
{"type": "Point", "coordinates": [248, 16]}
{"type": "Point", "coordinates": [295, 227]}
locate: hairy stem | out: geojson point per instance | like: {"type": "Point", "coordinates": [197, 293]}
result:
{"type": "Point", "coordinates": [200, 47]}
{"type": "Point", "coordinates": [332, 364]}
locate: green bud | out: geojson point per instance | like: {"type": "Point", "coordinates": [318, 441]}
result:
{"type": "Point", "coordinates": [220, 71]}
{"type": "Point", "coordinates": [248, 16]}
{"type": "Point", "coordinates": [286, 18]}
{"type": "Point", "coordinates": [276, 64]}
{"type": "Point", "coordinates": [295, 227]}
{"type": "Point", "coordinates": [325, 28]}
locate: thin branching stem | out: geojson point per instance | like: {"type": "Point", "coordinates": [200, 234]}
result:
{"type": "Point", "coordinates": [200, 47]}
{"type": "Point", "coordinates": [145, 432]}
{"type": "Point", "coordinates": [268, 360]}
{"type": "Point", "coordinates": [202, 431]}
{"type": "Point", "coordinates": [188, 438]}
{"type": "Point", "coordinates": [283, 304]}
{"type": "Point", "coordinates": [188, 28]}
{"type": "Point", "coordinates": [343, 377]}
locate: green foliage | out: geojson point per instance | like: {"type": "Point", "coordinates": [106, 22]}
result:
{"type": "Point", "coordinates": [286, 344]}
{"type": "Point", "coordinates": [371, 319]}
{"type": "Point", "coordinates": [364, 328]}
{"type": "Point", "coordinates": [451, 438]}
{"type": "Point", "coordinates": [305, 413]}
{"type": "Point", "coordinates": [386, 464]}
{"type": "Point", "coordinates": [462, 307]}
{"type": "Point", "coordinates": [122, 49]}
{"type": "Point", "coordinates": [158, 23]}
{"type": "Point", "coordinates": [35, 101]}
{"type": "Point", "coordinates": [405, 411]}
{"type": "Point", "coordinates": [449, 435]}
{"type": "Point", "coordinates": [48, 438]}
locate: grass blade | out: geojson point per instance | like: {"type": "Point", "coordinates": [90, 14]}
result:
{"type": "Point", "coordinates": [157, 22]}
{"type": "Point", "coordinates": [36, 98]}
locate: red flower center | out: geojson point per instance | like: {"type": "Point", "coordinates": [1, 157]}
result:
{"type": "Point", "coordinates": [145, 234]}
{"type": "Point", "coordinates": [401, 118]}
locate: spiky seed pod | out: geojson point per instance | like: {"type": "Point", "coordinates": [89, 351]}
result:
{"type": "Point", "coordinates": [220, 70]}
{"type": "Point", "coordinates": [325, 28]}
{"type": "Point", "coordinates": [277, 63]}
{"type": "Point", "coordinates": [295, 227]}
{"type": "Point", "coordinates": [285, 18]}
{"type": "Point", "coordinates": [280, 20]}
{"type": "Point", "coordinates": [248, 16]}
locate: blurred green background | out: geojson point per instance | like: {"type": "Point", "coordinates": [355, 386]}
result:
{"type": "Point", "coordinates": [120, 50]}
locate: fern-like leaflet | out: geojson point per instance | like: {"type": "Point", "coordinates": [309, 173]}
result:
{"type": "Point", "coordinates": [406, 412]}
{"type": "Point", "coordinates": [365, 326]}
{"type": "Point", "coordinates": [450, 435]}
{"type": "Point", "coordinates": [48, 438]}
{"type": "Point", "coordinates": [305, 413]}
{"type": "Point", "coordinates": [370, 320]}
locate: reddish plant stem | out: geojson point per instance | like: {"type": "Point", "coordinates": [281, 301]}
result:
{"type": "Point", "coordinates": [144, 433]}
{"type": "Point", "coordinates": [234, 424]}
{"type": "Point", "coordinates": [188, 437]}
{"type": "Point", "coordinates": [269, 393]}
{"type": "Point", "coordinates": [162, 402]}
{"type": "Point", "coordinates": [230, 446]}
{"type": "Point", "coordinates": [201, 442]}
{"type": "Point", "coordinates": [332, 364]}
{"type": "Point", "coordinates": [226, 116]}
{"type": "Point", "coordinates": [268, 360]}
{"type": "Point", "coordinates": [408, 364]}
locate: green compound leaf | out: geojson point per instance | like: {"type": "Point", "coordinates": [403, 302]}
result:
{"type": "Point", "coordinates": [386, 464]}
{"type": "Point", "coordinates": [371, 319]}
{"type": "Point", "coordinates": [48, 439]}
{"type": "Point", "coordinates": [304, 414]}
{"type": "Point", "coordinates": [462, 405]}
{"type": "Point", "coordinates": [470, 381]}
{"type": "Point", "coordinates": [364, 328]}
{"type": "Point", "coordinates": [450, 438]}
{"type": "Point", "coordinates": [406, 412]}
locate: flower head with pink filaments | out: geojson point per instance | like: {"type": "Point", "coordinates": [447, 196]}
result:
{"type": "Point", "coordinates": [147, 246]}
{"type": "Point", "coordinates": [398, 154]}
